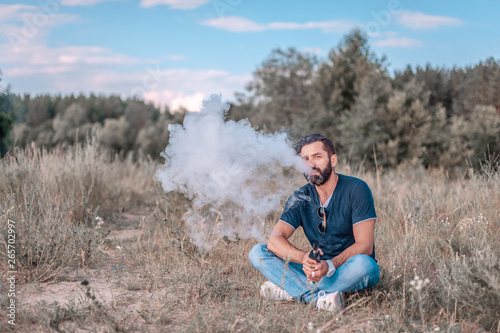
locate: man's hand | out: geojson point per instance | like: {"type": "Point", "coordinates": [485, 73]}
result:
{"type": "Point", "coordinates": [314, 270]}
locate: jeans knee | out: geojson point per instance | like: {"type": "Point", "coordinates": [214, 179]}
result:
{"type": "Point", "coordinates": [367, 264]}
{"type": "Point", "coordinates": [256, 253]}
{"type": "Point", "coordinates": [364, 269]}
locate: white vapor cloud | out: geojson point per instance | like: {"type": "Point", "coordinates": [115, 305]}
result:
{"type": "Point", "coordinates": [398, 42]}
{"type": "Point", "coordinates": [175, 4]}
{"type": "Point", "coordinates": [418, 20]}
{"type": "Point", "coordinates": [233, 174]}
{"type": "Point", "coordinates": [241, 24]}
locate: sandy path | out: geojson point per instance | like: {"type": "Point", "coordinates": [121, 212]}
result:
{"type": "Point", "coordinates": [118, 289]}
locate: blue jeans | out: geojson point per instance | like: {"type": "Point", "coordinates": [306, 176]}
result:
{"type": "Point", "coordinates": [357, 273]}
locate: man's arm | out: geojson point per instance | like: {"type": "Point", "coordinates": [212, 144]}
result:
{"type": "Point", "coordinates": [363, 236]}
{"type": "Point", "coordinates": [281, 247]}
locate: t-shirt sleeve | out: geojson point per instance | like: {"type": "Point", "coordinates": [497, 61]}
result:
{"type": "Point", "coordinates": [291, 212]}
{"type": "Point", "coordinates": [363, 207]}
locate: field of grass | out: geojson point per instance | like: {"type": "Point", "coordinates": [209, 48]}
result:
{"type": "Point", "coordinates": [100, 248]}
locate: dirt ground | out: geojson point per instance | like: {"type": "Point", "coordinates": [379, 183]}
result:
{"type": "Point", "coordinates": [126, 298]}
{"type": "Point", "coordinates": [125, 295]}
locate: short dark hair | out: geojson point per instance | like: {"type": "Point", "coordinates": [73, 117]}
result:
{"type": "Point", "coordinates": [310, 138]}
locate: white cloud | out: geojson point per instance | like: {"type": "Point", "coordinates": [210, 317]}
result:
{"type": "Point", "coordinates": [35, 16]}
{"type": "Point", "coordinates": [22, 25]}
{"type": "Point", "coordinates": [176, 57]}
{"type": "Point", "coordinates": [417, 20]}
{"type": "Point", "coordinates": [188, 88]}
{"type": "Point", "coordinates": [382, 34]}
{"type": "Point", "coordinates": [233, 23]}
{"type": "Point", "coordinates": [40, 59]}
{"type": "Point", "coordinates": [175, 4]}
{"type": "Point", "coordinates": [37, 68]}
{"type": "Point", "coordinates": [71, 3]}
{"type": "Point", "coordinates": [397, 42]}
{"type": "Point", "coordinates": [32, 66]}
{"type": "Point", "coordinates": [14, 12]}
{"type": "Point", "coordinates": [175, 99]}
{"type": "Point", "coordinates": [313, 50]}
{"type": "Point", "coordinates": [241, 24]}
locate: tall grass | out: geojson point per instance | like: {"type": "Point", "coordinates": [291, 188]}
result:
{"type": "Point", "coordinates": [55, 196]}
{"type": "Point", "coordinates": [436, 242]}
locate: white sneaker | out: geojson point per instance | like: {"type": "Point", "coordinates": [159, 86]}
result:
{"type": "Point", "coordinates": [270, 291]}
{"type": "Point", "coordinates": [330, 302]}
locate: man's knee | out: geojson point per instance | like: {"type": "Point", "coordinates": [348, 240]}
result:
{"type": "Point", "coordinates": [364, 269]}
{"type": "Point", "coordinates": [366, 264]}
{"type": "Point", "coordinates": [256, 254]}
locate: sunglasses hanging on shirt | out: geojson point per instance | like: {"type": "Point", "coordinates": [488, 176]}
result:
{"type": "Point", "coordinates": [322, 215]}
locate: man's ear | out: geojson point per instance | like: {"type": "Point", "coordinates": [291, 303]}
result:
{"type": "Point", "coordinates": [333, 160]}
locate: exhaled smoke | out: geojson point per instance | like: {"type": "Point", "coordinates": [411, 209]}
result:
{"type": "Point", "coordinates": [233, 174]}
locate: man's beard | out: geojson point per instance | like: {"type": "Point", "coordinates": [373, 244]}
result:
{"type": "Point", "coordinates": [323, 176]}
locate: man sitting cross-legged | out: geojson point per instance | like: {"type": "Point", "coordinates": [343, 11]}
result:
{"type": "Point", "coordinates": [337, 213]}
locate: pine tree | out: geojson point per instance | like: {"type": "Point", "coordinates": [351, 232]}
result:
{"type": "Point", "coordinates": [338, 82]}
{"type": "Point", "coordinates": [277, 95]}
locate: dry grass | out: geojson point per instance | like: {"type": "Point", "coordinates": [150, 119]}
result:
{"type": "Point", "coordinates": [55, 198]}
{"type": "Point", "coordinates": [430, 227]}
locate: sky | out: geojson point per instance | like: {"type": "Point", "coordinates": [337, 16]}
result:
{"type": "Point", "coordinates": [177, 52]}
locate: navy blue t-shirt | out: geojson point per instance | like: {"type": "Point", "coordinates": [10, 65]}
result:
{"type": "Point", "coordinates": [351, 203]}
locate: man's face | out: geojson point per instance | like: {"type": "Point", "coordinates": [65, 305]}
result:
{"type": "Point", "coordinates": [315, 155]}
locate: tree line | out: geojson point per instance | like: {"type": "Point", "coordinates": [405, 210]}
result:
{"type": "Point", "coordinates": [124, 125]}
{"type": "Point", "coordinates": [435, 117]}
